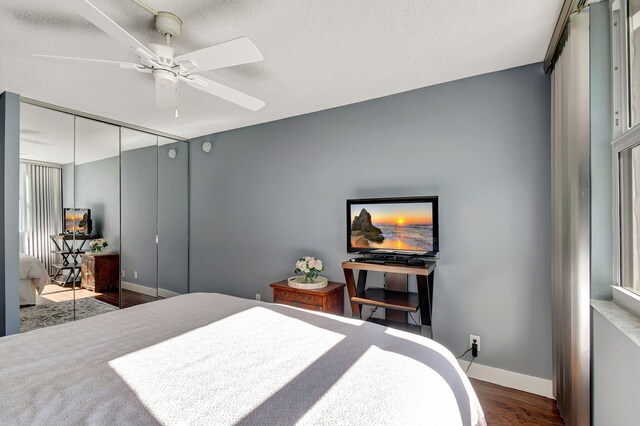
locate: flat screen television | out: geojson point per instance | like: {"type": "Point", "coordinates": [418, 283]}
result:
{"type": "Point", "coordinates": [77, 221]}
{"type": "Point", "coordinates": [393, 225]}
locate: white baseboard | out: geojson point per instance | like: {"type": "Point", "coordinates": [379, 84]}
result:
{"type": "Point", "coordinates": [149, 291]}
{"type": "Point", "coordinates": [165, 294]}
{"type": "Point", "coordinates": [509, 379]}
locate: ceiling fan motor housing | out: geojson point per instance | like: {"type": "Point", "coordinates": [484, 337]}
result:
{"type": "Point", "coordinates": [168, 23]}
{"type": "Point", "coordinates": [164, 53]}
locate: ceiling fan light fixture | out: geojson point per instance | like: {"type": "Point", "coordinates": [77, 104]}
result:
{"type": "Point", "coordinates": [165, 79]}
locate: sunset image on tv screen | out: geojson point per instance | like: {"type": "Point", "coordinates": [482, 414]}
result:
{"type": "Point", "coordinates": [76, 220]}
{"type": "Point", "coordinates": [401, 226]}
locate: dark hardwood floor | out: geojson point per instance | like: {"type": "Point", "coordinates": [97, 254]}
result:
{"type": "Point", "coordinates": [129, 298]}
{"type": "Point", "coordinates": [505, 406]}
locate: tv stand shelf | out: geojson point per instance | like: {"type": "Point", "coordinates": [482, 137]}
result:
{"type": "Point", "coordinates": [395, 299]}
{"type": "Point", "coordinates": [68, 247]}
{"type": "Point", "coordinates": [398, 300]}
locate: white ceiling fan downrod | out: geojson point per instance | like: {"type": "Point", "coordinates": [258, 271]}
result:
{"type": "Point", "coordinates": [146, 7]}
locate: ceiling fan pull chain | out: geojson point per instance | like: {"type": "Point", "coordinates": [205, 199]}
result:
{"type": "Point", "coordinates": [177, 82]}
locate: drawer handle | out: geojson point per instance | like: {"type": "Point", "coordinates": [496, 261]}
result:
{"type": "Point", "coordinates": [310, 298]}
{"type": "Point", "coordinates": [284, 293]}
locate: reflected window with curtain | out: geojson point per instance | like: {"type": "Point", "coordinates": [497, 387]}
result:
{"type": "Point", "coordinates": [40, 213]}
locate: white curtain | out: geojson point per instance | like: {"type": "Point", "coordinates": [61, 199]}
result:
{"type": "Point", "coordinates": [40, 209]}
{"type": "Point", "coordinates": [570, 216]}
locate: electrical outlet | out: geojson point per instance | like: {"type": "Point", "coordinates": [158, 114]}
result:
{"type": "Point", "coordinates": [123, 273]}
{"type": "Point", "coordinates": [476, 338]}
{"type": "Point", "coordinates": [258, 296]}
{"type": "Point", "coordinates": [135, 274]}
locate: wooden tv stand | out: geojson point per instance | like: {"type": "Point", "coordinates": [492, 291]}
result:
{"type": "Point", "coordinates": [395, 298]}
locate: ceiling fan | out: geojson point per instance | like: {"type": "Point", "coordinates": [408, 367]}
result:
{"type": "Point", "coordinates": [167, 68]}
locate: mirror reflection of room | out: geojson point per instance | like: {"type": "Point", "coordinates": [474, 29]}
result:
{"type": "Point", "coordinates": [139, 192]}
{"type": "Point", "coordinates": [53, 233]}
{"type": "Point", "coordinates": [173, 223]}
{"type": "Point", "coordinates": [102, 217]}
{"type": "Point", "coordinates": [96, 191]}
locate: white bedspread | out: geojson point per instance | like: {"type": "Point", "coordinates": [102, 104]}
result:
{"type": "Point", "coordinates": [32, 269]}
{"type": "Point", "coordinates": [216, 359]}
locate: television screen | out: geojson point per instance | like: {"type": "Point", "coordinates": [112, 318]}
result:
{"type": "Point", "coordinates": [77, 221]}
{"type": "Point", "coordinates": [393, 224]}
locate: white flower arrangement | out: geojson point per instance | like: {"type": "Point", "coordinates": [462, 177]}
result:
{"type": "Point", "coordinates": [98, 245]}
{"type": "Point", "coordinates": [310, 267]}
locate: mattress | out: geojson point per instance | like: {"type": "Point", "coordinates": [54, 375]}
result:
{"type": "Point", "coordinates": [216, 359]}
{"type": "Point", "coordinates": [33, 269]}
{"type": "Point", "coordinates": [27, 292]}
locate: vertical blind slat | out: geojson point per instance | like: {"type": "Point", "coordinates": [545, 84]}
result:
{"type": "Point", "coordinates": [41, 205]}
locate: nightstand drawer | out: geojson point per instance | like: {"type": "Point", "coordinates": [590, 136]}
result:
{"type": "Point", "coordinates": [328, 299]}
{"type": "Point", "coordinates": [284, 302]}
{"type": "Point", "coordinates": [284, 294]}
{"type": "Point", "coordinates": [308, 307]}
{"type": "Point", "coordinates": [309, 299]}
{"type": "Point", "coordinates": [298, 305]}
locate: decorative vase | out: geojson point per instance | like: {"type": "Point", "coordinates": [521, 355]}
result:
{"type": "Point", "coordinates": [310, 278]}
{"type": "Point", "coordinates": [300, 282]}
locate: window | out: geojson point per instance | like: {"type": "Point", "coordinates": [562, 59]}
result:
{"type": "Point", "coordinates": [634, 61]}
{"type": "Point", "coordinates": [625, 39]}
{"type": "Point", "coordinates": [629, 171]}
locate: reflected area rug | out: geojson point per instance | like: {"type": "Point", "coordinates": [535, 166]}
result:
{"type": "Point", "coordinates": [34, 317]}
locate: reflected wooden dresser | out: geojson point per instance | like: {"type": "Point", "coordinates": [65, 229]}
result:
{"type": "Point", "coordinates": [329, 299]}
{"type": "Point", "coordinates": [100, 272]}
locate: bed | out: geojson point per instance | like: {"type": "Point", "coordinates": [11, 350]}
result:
{"type": "Point", "coordinates": [208, 358]}
{"type": "Point", "coordinates": [33, 279]}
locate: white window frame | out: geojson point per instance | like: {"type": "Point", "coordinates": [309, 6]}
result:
{"type": "Point", "coordinates": [620, 65]}
{"type": "Point", "coordinates": [623, 136]}
{"type": "Point", "coordinates": [626, 141]}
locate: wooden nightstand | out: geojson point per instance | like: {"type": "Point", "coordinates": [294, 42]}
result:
{"type": "Point", "coordinates": [329, 299]}
{"type": "Point", "coordinates": [100, 272]}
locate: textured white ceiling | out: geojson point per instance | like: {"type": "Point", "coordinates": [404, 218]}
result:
{"type": "Point", "coordinates": [318, 54]}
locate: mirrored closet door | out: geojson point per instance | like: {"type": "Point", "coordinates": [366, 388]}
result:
{"type": "Point", "coordinates": [96, 216]}
{"type": "Point", "coordinates": [46, 187]}
{"type": "Point", "coordinates": [173, 217]}
{"type": "Point", "coordinates": [139, 191]}
{"type": "Point", "coordinates": [103, 217]}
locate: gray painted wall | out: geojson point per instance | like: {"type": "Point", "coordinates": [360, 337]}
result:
{"type": "Point", "coordinates": [616, 375]}
{"type": "Point", "coordinates": [9, 262]}
{"type": "Point", "coordinates": [139, 216]}
{"type": "Point", "coordinates": [68, 198]}
{"type": "Point", "coordinates": [98, 188]}
{"type": "Point", "coordinates": [601, 131]}
{"type": "Point", "coordinates": [270, 193]}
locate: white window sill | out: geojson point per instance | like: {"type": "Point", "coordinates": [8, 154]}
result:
{"type": "Point", "coordinates": [623, 312]}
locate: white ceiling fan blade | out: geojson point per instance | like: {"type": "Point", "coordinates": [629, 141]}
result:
{"type": "Point", "coordinates": [234, 52]}
{"type": "Point", "coordinates": [115, 31]}
{"type": "Point", "coordinates": [67, 59]}
{"type": "Point", "coordinates": [165, 93]}
{"type": "Point", "coordinates": [224, 92]}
